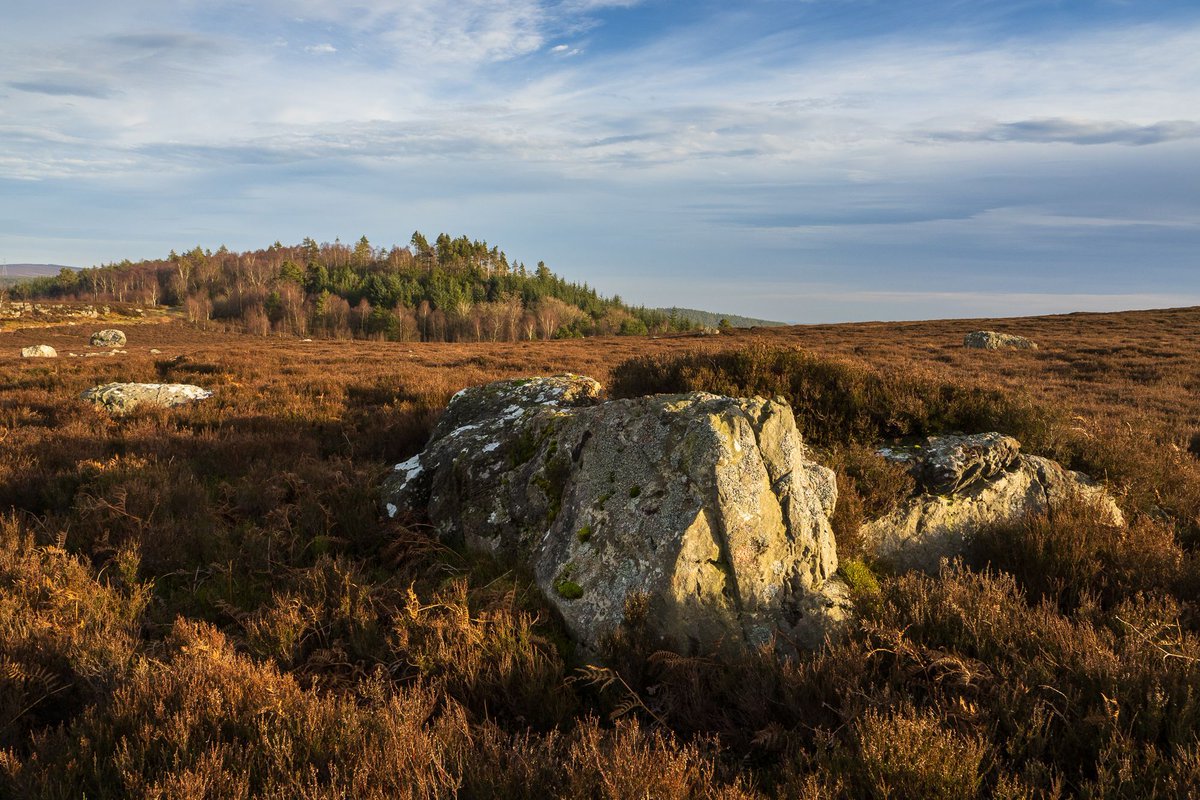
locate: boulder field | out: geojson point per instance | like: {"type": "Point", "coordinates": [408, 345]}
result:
{"type": "Point", "coordinates": [701, 514]}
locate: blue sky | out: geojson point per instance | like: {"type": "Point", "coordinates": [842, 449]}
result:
{"type": "Point", "coordinates": [802, 160]}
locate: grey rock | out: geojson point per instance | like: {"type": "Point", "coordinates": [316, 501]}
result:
{"type": "Point", "coordinates": [946, 464]}
{"type": "Point", "coordinates": [823, 482]}
{"type": "Point", "coordinates": [39, 351]}
{"type": "Point", "coordinates": [110, 337]}
{"type": "Point", "coordinates": [121, 398]}
{"type": "Point", "coordinates": [704, 507]}
{"type": "Point", "coordinates": [934, 525]}
{"type": "Point", "coordinates": [58, 310]}
{"type": "Point", "coordinates": [991, 340]}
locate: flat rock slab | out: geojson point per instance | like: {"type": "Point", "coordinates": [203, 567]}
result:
{"type": "Point", "coordinates": [991, 340]}
{"type": "Point", "coordinates": [39, 351]}
{"type": "Point", "coordinates": [110, 337]}
{"type": "Point", "coordinates": [700, 508]}
{"type": "Point", "coordinates": [121, 398]}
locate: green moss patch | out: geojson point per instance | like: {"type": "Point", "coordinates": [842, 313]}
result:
{"type": "Point", "coordinates": [859, 577]}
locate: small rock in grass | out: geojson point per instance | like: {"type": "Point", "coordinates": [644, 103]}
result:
{"type": "Point", "coordinates": [121, 398]}
{"type": "Point", "coordinates": [110, 337]}
{"type": "Point", "coordinates": [990, 340]}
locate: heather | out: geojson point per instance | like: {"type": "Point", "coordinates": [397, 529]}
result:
{"type": "Point", "coordinates": [207, 601]}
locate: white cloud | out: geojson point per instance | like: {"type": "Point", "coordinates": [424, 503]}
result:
{"type": "Point", "coordinates": [795, 151]}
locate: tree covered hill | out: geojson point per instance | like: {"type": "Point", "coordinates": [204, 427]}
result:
{"type": "Point", "coordinates": [712, 319]}
{"type": "Point", "coordinates": [17, 273]}
{"type": "Point", "coordinates": [454, 289]}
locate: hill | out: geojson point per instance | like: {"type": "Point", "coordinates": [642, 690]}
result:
{"type": "Point", "coordinates": [214, 594]}
{"type": "Point", "coordinates": [453, 289]}
{"type": "Point", "coordinates": [710, 319]}
{"type": "Point", "coordinates": [16, 273]}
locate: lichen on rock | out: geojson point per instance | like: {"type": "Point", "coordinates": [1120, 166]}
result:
{"type": "Point", "coordinates": [704, 505]}
{"type": "Point", "coordinates": [121, 398]}
{"type": "Point", "coordinates": [970, 483]}
{"type": "Point", "coordinates": [110, 337]}
{"type": "Point", "coordinates": [991, 340]}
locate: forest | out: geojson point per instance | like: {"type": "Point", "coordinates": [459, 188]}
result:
{"type": "Point", "coordinates": [451, 290]}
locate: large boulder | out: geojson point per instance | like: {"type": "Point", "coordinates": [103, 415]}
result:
{"type": "Point", "coordinates": [970, 483]}
{"type": "Point", "coordinates": [701, 509]}
{"type": "Point", "coordinates": [110, 337]}
{"type": "Point", "coordinates": [121, 398]}
{"type": "Point", "coordinates": [991, 340]}
{"type": "Point", "coordinates": [39, 351]}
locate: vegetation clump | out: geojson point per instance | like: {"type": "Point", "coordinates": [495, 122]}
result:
{"type": "Point", "coordinates": [567, 588]}
{"type": "Point", "coordinates": [859, 577]}
{"type": "Point", "coordinates": [839, 401]}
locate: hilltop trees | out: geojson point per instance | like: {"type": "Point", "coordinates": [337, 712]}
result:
{"type": "Point", "coordinates": [456, 289]}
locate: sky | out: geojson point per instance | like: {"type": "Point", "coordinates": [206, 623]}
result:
{"type": "Point", "coordinates": [797, 160]}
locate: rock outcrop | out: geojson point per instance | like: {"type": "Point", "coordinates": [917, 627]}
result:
{"type": "Point", "coordinates": [702, 509]}
{"type": "Point", "coordinates": [121, 398]}
{"type": "Point", "coordinates": [970, 483]}
{"type": "Point", "coordinates": [19, 310]}
{"type": "Point", "coordinates": [990, 340]}
{"type": "Point", "coordinates": [39, 351]}
{"type": "Point", "coordinates": [110, 337]}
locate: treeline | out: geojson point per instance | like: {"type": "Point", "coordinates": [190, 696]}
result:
{"type": "Point", "coordinates": [454, 289]}
{"type": "Point", "coordinates": [710, 319]}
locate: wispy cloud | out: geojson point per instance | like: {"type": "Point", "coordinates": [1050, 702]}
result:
{"type": "Point", "coordinates": [63, 88]}
{"type": "Point", "coordinates": [1080, 132]}
{"type": "Point", "coordinates": [159, 41]}
{"type": "Point", "coordinates": [457, 32]}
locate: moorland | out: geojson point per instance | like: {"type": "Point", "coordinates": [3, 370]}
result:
{"type": "Point", "coordinates": [207, 601]}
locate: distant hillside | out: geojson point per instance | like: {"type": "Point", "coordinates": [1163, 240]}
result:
{"type": "Point", "coordinates": [15, 273]}
{"type": "Point", "coordinates": [712, 320]}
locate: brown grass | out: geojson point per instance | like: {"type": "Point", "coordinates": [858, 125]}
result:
{"type": "Point", "coordinates": [204, 602]}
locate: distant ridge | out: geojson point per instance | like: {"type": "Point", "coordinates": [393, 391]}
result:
{"type": "Point", "coordinates": [15, 273]}
{"type": "Point", "coordinates": [712, 320]}
{"type": "Point", "coordinates": [32, 270]}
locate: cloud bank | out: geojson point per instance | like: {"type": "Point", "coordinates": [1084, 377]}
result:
{"type": "Point", "coordinates": [934, 147]}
